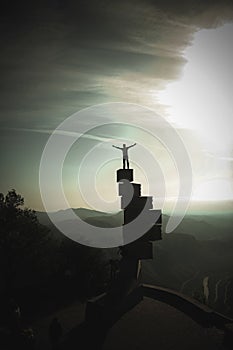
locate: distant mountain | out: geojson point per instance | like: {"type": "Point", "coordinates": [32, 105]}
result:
{"type": "Point", "coordinates": [202, 227]}
{"type": "Point", "coordinates": [206, 227]}
{"type": "Point", "coordinates": [84, 214]}
{"type": "Point", "coordinates": [106, 221]}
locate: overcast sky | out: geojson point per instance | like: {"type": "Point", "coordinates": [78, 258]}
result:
{"type": "Point", "coordinates": [61, 56]}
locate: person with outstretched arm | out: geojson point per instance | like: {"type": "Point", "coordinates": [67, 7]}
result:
{"type": "Point", "coordinates": [124, 150]}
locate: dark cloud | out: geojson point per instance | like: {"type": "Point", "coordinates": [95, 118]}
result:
{"type": "Point", "coordinates": [59, 56]}
{"type": "Point", "coordinates": [190, 8]}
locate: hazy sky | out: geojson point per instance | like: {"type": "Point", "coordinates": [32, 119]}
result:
{"type": "Point", "coordinates": [58, 57]}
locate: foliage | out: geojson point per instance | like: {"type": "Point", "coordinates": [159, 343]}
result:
{"type": "Point", "coordinates": [22, 239]}
{"type": "Point", "coordinates": [32, 259]}
{"type": "Point", "coordinates": [86, 266]}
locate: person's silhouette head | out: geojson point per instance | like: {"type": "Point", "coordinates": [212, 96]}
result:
{"type": "Point", "coordinates": [124, 144]}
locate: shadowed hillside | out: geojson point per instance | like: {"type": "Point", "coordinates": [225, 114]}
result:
{"type": "Point", "coordinates": [200, 247]}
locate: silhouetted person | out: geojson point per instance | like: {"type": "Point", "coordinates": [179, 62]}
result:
{"type": "Point", "coordinates": [114, 267]}
{"type": "Point", "coordinates": [55, 332]}
{"type": "Point", "coordinates": [14, 315]}
{"type": "Point", "coordinates": [124, 150]}
{"type": "Point", "coordinates": [27, 339]}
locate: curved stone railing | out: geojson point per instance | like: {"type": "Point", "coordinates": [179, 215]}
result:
{"type": "Point", "coordinates": [191, 307]}
{"type": "Point", "coordinates": [102, 313]}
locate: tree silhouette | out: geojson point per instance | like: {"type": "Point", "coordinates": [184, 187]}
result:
{"type": "Point", "coordinates": [87, 265]}
{"type": "Point", "coordinates": [21, 240]}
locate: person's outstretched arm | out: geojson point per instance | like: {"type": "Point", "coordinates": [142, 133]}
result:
{"type": "Point", "coordinates": [132, 145]}
{"type": "Point", "coordinates": [116, 147]}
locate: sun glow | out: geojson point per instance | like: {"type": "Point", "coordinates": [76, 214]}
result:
{"type": "Point", "coordinates": [215, 190]}
{"type": "Point", "coordinates": [201, 100]}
